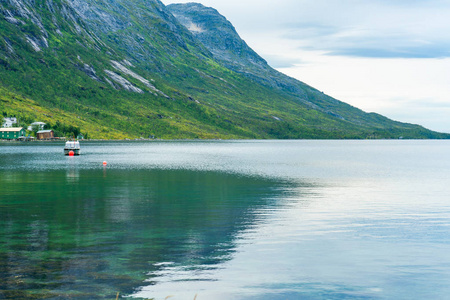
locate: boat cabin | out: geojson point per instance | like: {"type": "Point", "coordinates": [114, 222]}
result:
{"type": "Point", "coordinates": [72, 148]}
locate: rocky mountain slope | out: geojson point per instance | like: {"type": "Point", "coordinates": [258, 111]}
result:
{"type": "Point", "coordinates": [136, 68]}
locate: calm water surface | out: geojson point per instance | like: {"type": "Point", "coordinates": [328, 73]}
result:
{"type": "Point", "coordinates": [226, 220]}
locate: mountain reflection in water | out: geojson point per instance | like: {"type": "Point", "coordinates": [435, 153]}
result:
{"type": "Point", "coordinates": [91, 233]}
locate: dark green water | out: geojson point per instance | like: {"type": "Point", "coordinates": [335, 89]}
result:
{"type": "Point", "coordinates": [226, 220]}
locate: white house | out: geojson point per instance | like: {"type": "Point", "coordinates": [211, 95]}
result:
{"type": "Point", "coordinates": [39, 125]}
{"type": "Point", "coordinates": [9, 122]}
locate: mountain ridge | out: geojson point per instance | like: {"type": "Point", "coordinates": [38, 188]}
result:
{"type": "Point", "coordinates": [127, 69]}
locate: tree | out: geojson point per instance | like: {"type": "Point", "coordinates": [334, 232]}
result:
{"type": "Point", "coordinates": [35, 129]}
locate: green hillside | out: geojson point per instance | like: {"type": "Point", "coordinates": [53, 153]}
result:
{"type": "Point", "coordinates": [130, 69]}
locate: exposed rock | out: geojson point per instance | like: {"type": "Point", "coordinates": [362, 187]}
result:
{"type": "Point", "coordinates": [123, 82]}
{"type": "Point", "coordinates": [33, 43]}
{"type": "Point", "coordinates": [9, 47]}
{"type": "Point", "coordinates": [90, 72]}
{"type": "Point", "coordinates": [118, 66]}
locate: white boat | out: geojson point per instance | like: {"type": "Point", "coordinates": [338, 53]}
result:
{"type": "Point", "coordinates": [72, 148]}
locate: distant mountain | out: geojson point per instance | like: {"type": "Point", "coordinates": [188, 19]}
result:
{"type": "Point", "coordinates": [136, 68]}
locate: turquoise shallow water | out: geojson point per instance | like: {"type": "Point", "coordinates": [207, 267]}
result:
{"type": "Point", "coordinates": [226, 220]}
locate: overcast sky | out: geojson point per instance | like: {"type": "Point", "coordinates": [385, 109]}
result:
{"type": "Point", "coordinates": [386, 56]}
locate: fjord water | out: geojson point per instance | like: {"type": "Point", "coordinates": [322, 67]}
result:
{"type": "Point", "coordinates": [226, 220]}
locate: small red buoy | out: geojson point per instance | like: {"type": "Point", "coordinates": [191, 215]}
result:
{"type": "Point", "coordinates": [71, 153]}
{"type": "Point", "coordinates": [105, 163]}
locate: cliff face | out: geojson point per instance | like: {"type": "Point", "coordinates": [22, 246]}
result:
{"type": "Point", "coordinates": [218, 35]}
{"type": "Point", "coordinates": [130, 68]}
{"type": "Point", "coordinates": [142, 29]}
{"type": "Point", "coordinates": [36, 23]}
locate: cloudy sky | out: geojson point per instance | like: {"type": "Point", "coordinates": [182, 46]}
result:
{"type": "Point", "coordinates": [385, 56]}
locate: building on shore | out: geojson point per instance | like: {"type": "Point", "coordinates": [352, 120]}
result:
{"type": "Point", "coordinates": [9, 122]}
{"type": "Point", "coordinates": [38, 125]}
{"type": "Point", "coordinates": [12, 133]}
{"type": "Point", "coordinates": [45, 135]}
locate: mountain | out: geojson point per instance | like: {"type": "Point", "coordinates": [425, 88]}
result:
{"type": "Point", "coordinates": [136, 68]}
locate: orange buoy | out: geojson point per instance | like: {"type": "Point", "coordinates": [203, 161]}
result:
{"type": "Point", "coordinates": [105, 163]}
{"type": "Point", "coordinates": [71, 153]}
